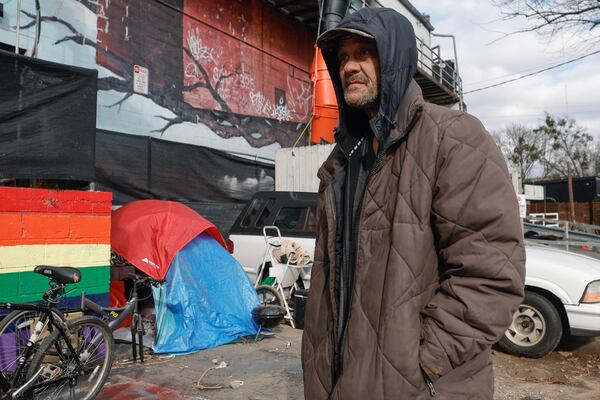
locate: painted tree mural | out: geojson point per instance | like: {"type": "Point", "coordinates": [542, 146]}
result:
{"type": "Point", "coordinates": [239, 67]}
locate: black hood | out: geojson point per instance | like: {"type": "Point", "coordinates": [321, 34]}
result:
{"type": "Point", "coordinates": [397, 48]}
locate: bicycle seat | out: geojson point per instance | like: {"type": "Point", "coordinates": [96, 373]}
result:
{"type": "Point", "coordinates": [62, 275]}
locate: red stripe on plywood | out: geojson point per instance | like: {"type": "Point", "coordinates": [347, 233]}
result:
{"type": "Point", "coordinates": [54, 201]}
{"type": "Point", "coordinates": [24, 242]}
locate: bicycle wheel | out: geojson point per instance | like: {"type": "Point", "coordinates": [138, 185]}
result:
{"type": "Point", "coordinates": [61, 374]}
{"type": "Point", "coordinates": [15, 331]}
{"type": "Point", "coordinates": [268, 295]}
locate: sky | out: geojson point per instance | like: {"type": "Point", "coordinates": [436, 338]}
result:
{"type": "Point", "coordinates": [486, 56]}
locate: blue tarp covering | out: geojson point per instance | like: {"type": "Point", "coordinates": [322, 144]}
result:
{"type": "Point", "coordinates": [206, 301]}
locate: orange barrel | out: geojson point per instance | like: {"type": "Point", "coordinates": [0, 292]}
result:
{"type": "Point", "coordinates": [325, 110]}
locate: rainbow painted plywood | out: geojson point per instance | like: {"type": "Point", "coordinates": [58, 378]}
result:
{"type": "Point", "coordinates": [51, 227]}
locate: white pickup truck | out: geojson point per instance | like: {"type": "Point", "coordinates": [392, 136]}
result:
{"type": "Point", "coordinates": [562, 288]}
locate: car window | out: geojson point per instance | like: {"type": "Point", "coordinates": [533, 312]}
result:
{"type": "Point", "coordinates": [265, 213]}
{"type": "Point", "coordinates": [311, 219]}
{"type": "Point", "coordinates": [297, 218]}
{"type": "Point", "coordinates": [251, 213]}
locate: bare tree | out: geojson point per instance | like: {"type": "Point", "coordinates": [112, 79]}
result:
{"type": "Point", "coordinates": [580, 18]}
{"type": "Point", "coordinates": [595, 159]}
{"type": "Point", "coordinates": [522, 147]}
{"type": "Point", "coordinates": [565, 142]}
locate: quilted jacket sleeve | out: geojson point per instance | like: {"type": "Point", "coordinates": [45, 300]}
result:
{"type": "Point", "coordinates": [479, 240]}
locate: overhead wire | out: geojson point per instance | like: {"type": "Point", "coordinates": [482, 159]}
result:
{"type": "Point", "coordinates": [533, 73]}
{"type": "Point", "coordinates": [522, 71]}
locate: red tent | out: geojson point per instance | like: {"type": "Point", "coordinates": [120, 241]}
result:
{"type": "Point", "coordinates": [148, 233]}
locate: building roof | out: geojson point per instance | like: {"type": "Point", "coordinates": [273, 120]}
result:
{"type": "Point", "coordinates": [307, 11]}
{"type": "Point", "coordinates": [561, 180]}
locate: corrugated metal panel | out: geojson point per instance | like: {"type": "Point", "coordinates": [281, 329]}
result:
{"type": "Point", "coordinates": [297, 171]}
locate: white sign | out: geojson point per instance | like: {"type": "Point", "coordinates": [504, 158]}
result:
{"type": "Point", "coordinates": [140, 79]}
{"type": "Point", "coordinates": [534, 192]}
{"type": "Point", "coordinates": [522, 200]}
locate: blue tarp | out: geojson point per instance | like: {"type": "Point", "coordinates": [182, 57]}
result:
{"type": "Point", "coordinates": [206, 301]}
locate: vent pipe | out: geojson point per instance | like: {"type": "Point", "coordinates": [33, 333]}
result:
{"type": "Point", "coordinates": [325, 110]}
{"type": "Point", "coordinates": [333, 12]}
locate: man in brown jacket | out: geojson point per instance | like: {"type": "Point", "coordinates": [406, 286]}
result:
{"type": "Point", "coordinates": [419, 258]}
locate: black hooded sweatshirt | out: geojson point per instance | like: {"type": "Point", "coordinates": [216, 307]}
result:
{"type": "Point", "coordinates": [397, 51]}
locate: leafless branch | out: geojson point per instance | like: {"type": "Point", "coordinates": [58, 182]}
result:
{"type": "Point", "coordinates": [551, 17]}
{"type": "Point", "coordinates": [170, 123]}
{"type": "Point", "coordinates": [213, 90]}
{"type": "Point", "coordinates": [120, 102]}
{"type": "Point", "coordinates": [47, 19]}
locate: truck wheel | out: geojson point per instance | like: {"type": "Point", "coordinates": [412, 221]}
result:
{"type": "Point", "coordinates": [535, 330]}
{"type": "Point", "coordinates": [268, 295]}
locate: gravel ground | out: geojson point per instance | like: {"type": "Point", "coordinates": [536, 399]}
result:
{"type": "Point", "coordinates": [270, 369]}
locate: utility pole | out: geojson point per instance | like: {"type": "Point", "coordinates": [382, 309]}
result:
{"type": "Point", "coordinates": [570, 188]}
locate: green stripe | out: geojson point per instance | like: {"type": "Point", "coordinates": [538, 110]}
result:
{"type": "Point", "coordinates": [22, 287]}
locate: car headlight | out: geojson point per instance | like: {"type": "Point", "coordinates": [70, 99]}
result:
{"type": "Point", "coordinates": [592, 293]}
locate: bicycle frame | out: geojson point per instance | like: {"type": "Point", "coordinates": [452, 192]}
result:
{"type": "Point", "coordinates": [130, 308]}
{"type": "Point", "coordinates": [49, 311]}
{"type": "Point", "coordinates": [108, 312]}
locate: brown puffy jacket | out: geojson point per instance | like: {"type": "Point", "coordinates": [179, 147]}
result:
{"type": "Point", "coordinates": [440, 266]}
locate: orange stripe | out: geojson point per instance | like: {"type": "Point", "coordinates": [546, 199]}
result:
{"type": "Point", "coordinates": [53, 228]}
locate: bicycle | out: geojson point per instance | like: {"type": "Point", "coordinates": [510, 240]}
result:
{"type": "Point", "coordinates": [114, 316]}
{"type": "Point", "coordinates": [45, 355]}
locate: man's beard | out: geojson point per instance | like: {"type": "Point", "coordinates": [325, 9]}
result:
{"type": "Point", "coordinates": [366, 101]}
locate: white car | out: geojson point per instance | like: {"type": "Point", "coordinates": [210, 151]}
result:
{"type": "Point", "coordinates": [562, 289]}
{"type": "Point", "coordinates": [562, 296]}
{"type": "Point", "coordinates": [293, 213]}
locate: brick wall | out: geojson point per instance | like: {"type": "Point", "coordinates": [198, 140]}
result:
{"type": "Point", "coordinates": [37, 226]}
{"type": "Point", "coordinates": [587, 213]}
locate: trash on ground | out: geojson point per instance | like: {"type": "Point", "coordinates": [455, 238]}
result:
{"type": "Point", "coordinates": [236, 384]}
{"type": "Point", "coordinates": [201, 386]}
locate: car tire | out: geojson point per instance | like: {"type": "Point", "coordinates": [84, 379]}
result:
{"type": "Point", "coordinates": [268, 295]}
{"type": "Point", "coordinates": [535, 330]}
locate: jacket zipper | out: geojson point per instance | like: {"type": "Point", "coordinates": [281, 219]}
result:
{"type": "Point", "coordinates": [332, 205]}
{"type": "Point", "coordinates": [430, 386]}
{"type": "Point", "coordinates": [372, 172]}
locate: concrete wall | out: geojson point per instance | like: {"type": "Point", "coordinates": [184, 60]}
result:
{"type": "Point", "coordinates": [421, 30]}
{"type": "Point", "coordinates": [49, 227]}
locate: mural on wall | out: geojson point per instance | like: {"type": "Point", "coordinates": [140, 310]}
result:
{"type": "Point", "coordinates": [240, 67]}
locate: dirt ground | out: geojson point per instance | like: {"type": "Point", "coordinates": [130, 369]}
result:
{"type": "Point", "coordinates": [270, 370]}
{"type": "Point", "coordinates": [572, 372]}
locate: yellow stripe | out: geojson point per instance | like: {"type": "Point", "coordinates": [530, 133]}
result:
{"type": "Point", "coordinates": [25, 258]}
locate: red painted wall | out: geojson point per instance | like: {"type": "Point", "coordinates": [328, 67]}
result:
{"type": "Point", "coordinates": [258, 59]}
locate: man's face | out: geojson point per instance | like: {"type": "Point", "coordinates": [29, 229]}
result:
{"type": "Point", "coordinates": [359, 72]}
